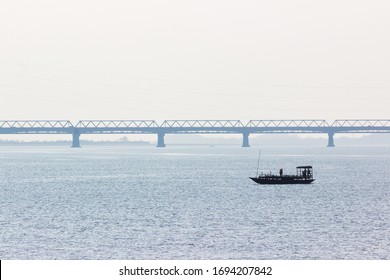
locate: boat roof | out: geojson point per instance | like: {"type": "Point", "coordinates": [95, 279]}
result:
{"type": "Point", "coordinates": [305, 166]}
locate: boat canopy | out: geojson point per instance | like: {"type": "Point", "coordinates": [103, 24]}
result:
{"type": "Point", "coordinates": [307, 166]}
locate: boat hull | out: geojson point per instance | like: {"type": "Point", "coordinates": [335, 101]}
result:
{"type": "Point", "coordinates": [275, 180]}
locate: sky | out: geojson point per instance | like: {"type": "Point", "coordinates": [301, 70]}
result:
{"type": "Point", "coordinates": [181, 59]}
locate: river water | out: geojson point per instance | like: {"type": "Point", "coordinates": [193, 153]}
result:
{"type": "Point", "coordinates": [192, 202]}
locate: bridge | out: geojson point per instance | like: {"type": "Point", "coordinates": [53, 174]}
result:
{"type": "Point", "coordinates": [193, 127]}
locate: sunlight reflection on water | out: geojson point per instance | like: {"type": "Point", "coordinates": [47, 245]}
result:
{"type": "Point", "coordinates": [193, 203]}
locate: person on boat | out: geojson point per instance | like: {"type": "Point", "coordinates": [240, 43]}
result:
{"type": "Point", "coordinates": [308, 173]}
{"type": "Point", "coordinates": [281, 172]}
{"type": "Point", "coordinates": [304, 173]}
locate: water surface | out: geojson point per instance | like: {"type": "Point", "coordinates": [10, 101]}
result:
{"type": "Point", "coordinates": [192, 202]}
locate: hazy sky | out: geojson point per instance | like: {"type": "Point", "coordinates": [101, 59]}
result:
{"type": "Point", "coordinates": [150, 59]}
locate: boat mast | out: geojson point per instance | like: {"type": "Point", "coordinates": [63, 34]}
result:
{"type": "Point", "coordinates": [258, 162]}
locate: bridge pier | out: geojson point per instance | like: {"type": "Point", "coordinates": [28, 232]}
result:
{"type": "Point", "coordinates": [160, 140]}
{"type": "Point", "coordinates": [330, 139]}
{"type": "Point", "coordinates": [245, 140]}
{"type": "Point", "coordinates": [76, 139]}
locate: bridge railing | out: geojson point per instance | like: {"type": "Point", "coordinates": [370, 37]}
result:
{"type": "Point", "coordinates": [202, 124]}
{"type": "Point", "coordinates": [361, 123]}
{"type": "Point", "coordinates": [36, 124]}
{"type": "Point", "coordinates": [287, 123]}
{"type": "Point", "coordinates": [117, 124]}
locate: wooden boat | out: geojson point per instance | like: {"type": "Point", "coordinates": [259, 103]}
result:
{"type": "Point", "coordinates": [304, 175]}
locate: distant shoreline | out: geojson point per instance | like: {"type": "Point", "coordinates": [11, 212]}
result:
{"type": "Point", "coordinates": [180, 140]}
{"type": "Point", "coordinates": [65, 142]}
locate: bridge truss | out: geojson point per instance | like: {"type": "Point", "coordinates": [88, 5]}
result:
{"type": "Point", "coordinates": [36, 127]}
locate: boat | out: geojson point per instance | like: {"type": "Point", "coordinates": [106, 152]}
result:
{"type": "Point", "coordinates": [304, 175]}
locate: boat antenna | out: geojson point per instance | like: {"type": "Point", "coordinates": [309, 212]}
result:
{"type": "Point", "coordinates": [258, 162]}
